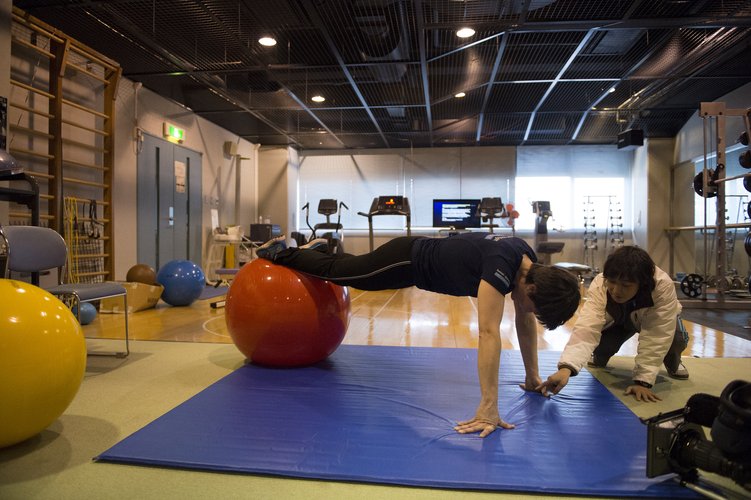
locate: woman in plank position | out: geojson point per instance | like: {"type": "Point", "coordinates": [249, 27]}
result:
{"type": "Point", "coordinates": [481, 265]}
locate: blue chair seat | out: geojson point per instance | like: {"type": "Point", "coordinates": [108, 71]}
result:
{"type": "Point", "coordinates": [32, 249]}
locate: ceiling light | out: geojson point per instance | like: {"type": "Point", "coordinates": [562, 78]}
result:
{"type": "Point", "coordinates": [317, 98]}
{"type": "Point", "coordinates": [460, 94]}
{"type": "Point", "coordinates": [267, 41]}
{"type": "Point", "coordinates": [612, 89]}
{"type": "Point", "coordinates": [465, 32]}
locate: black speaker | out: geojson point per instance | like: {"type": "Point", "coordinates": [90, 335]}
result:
{"type": "Point", "coordinates": [631, 139]}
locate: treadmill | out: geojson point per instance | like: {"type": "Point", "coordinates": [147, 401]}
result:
{"type": "Point", "coordinates": [387, 205]}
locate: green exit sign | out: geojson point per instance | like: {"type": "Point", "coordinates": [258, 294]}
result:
{"type": "Point", "coordinates": [173, 133]}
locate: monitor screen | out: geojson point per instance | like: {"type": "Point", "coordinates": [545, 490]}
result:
{"type": "Point", "coordinates": [456, 213]}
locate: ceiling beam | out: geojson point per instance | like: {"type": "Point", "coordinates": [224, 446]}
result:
{"type": "Point", "coordinates": [658, 45]}
{"type": "Point", "coordinates": [583, 43]}
{"type": "Point", "coordinates": [694, 22]}
{"type": "Point", "coordinates": [421, 34]}
{"type": "Point", "coordinates": [313, 14]}
{"type": "Point", "coordinates": [489, 87]}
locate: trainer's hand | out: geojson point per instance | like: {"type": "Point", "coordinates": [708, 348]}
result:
{"type": "Point", "coordinates": [481, 425]}
{"type": "Point", "coordinates": [642, 393]}
{"type": "Point", "coordinates": [555, 382]}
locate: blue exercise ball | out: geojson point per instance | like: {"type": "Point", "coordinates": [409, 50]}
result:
{"type": "Point", "coordinates": [88, 313]}
{"type": "Point", "coordinates": [183, 282]}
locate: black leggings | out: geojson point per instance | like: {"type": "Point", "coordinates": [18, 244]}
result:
{"type": "Point", "coordinates": [387, 267]}
{"type": "Point", "coordinates": [613, 338]}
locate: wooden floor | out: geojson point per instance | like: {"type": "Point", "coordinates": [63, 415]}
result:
{"type": "Point", "coordinates": [408, 317]}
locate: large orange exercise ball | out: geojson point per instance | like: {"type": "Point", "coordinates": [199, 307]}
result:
{"type": "Point", "coordinates": [141, 273]}
{"type": "Point", "coordinates": [280, 317]}
{"type": "Point", "coordinates": [42, 360]}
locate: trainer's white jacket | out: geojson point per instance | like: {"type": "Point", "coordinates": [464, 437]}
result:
{"type": "Point", "coordinates": [656, 327]}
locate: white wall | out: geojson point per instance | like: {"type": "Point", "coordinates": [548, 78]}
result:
{"type": "Point", "coordinates": [639, 197]}
{"type": "Point", "coordinates": [226, 188]}
{"type": "Point", "coordinates": [659, 160]}
{"type": "Point", "coordinates": [277, 185]}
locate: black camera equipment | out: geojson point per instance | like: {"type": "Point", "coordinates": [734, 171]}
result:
{"type": "Point", "coordinates": [676, 441]}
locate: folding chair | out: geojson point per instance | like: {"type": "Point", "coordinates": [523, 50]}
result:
{"type": "Point", "coordinates": [33, 249]}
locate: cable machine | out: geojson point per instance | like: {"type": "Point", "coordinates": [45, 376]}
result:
{"type": "Point", "coordinates": [710, 183]}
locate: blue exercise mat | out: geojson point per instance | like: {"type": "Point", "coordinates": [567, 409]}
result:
{"type": "Point", "coordinates": [386, 415]}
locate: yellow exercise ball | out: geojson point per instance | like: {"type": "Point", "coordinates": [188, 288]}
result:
{"type": "Point", "coordinates": [42, 360]}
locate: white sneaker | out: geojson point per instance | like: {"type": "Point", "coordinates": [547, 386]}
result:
{"type": "Point", "coordinates": [679, 373]}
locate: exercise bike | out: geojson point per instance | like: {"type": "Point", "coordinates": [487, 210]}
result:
{"type": "Point", "coordinates": [326, 207]}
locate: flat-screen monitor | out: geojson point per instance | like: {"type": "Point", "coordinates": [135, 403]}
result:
{"type": "Point", "coordinates": [456, 213]}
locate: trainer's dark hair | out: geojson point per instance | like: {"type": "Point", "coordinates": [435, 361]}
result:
{"type": "Point", "coordinates": [632, 264]}
{"type": "Point", "coordinates": [556, 296]}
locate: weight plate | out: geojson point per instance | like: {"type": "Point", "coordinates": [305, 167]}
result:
{"type": "Point", "coordinates": [691, 285]}
{"type": "Point", "coordinates": [724, 284]}
{"type": "Point", "coordinates": [747, 244]}
{"type": "Point", "coordinates": [745, 159]}
{"type": "Point", "coordinates": [747, 183]}
{"type": "Point", "coordinates": [699, 184]}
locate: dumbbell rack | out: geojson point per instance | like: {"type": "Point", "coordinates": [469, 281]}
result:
{"type": "Point", "coordinates": [615, 227]}
{"type": "Point", "coordinates": [590, 232]}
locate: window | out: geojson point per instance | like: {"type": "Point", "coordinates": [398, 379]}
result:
{"type": "Point", "coordinates": [576, 180]}
{"type": "Point", "coordinates": [563, 175]}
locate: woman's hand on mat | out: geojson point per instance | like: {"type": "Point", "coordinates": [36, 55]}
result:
{"type": "Point", "coordinates": [642, 393]}
{"type": "Point", "coordinates": [532, 383]}
{"type": "Point", "coordinates": [482, 425]}
{"type": "Point", "coordinates": [555, 382]}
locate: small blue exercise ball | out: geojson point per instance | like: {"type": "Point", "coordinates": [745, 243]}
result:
{"type": "Point", "coordinates": [183, 282]}
{"type": "Point", "coordinates": [88, 313]}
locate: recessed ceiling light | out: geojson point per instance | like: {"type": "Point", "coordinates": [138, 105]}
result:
{"type": "Point", "coordinates": [267, 41]}
{"type": "Point", "coordinates": [317, 98]}
{"type": "Point", "coordinates": [465, 32]}
{"type": "Point", "coordinates": [460, 94]}
{"type": "Point", "coordinates": [611, 89]}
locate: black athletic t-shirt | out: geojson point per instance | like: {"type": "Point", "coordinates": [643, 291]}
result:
{"type": "Point", "coordinates": [455, 265]}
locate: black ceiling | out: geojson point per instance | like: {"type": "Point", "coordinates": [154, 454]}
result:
{"type": "Point", "coordinates": [535, 72]}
